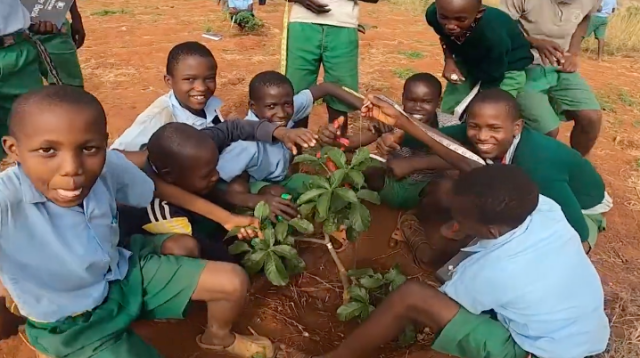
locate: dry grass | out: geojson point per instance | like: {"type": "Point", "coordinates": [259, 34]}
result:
{"type": "Point", "coordinates": [623, 31]}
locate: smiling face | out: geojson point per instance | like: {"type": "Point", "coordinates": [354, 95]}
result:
{"type": "Point", "coordinates": [273, 103]}
{"type": "Point", "coordinates": [456, 16]}
{"type": "Point", "coordinates": [420, 101]}
{"type": "Point", "coordinates": [193, 81]}
{"type": "Point", "coordinates": [62, 149]}
{"type": "Point", "coordinates": [491, 128]}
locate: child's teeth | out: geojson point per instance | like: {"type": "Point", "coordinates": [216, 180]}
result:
{"type": "Point", "coordinates": [69, 193]}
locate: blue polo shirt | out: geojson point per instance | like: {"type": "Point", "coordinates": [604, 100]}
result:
{"type": "Point", "coordinates": [54, 261]}
{"type": "Point", "coordinates": [541, 285]}
{"type": "Point", "coordinates": [263, 161]}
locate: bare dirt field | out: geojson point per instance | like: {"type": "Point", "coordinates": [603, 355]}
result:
{"type": "Point", "coordinates": [123, 62]}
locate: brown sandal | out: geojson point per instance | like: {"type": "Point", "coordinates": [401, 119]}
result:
{"type": "Point", "coordinates": [244, 346]}
{"type": "Point", "coordinates": [413, 234]}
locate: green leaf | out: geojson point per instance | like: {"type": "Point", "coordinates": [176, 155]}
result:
{"type": "Point", "coordinates": [282, 229]}
{"type": "Point", "coordinates": [323, 205]}
{"type": "Point", "coordinates": [337, 203]}
{"type": "Point", "coordinates": [310, 195]}
{"type": "Point", "coordinates": [254, 261]}
{"type": "Point", "coordinates": [295, 266]}
{"type": "Point", "coordinates": [351, 310]}
{"type": "Point", "coordinates": [285, 251]}
{"type": "Point", "coordinates": [269, 236]}
{"type": "Point", "coordinates": [261, 211]}
{"type": "Point", "coordinates": [319, 182]}
{"type": "Point", "coordinates": [233, 232]}
{"type": "Point", "coordinates": [330, 225]}
{"type": "Point", "coordinates": [360, 156]}
{"type": "Point", "coordinates": [302, 225]}
{"type": "Point", "coordinates": [369, 195]}
{"type": "Point", "coordinates": [275, 271]}
{"type": "Point", "coordinates": [352, 234]}
{"type": "Point", "coordinates": [338, 157]}
{"type": "Point", "coordinates": [357, 293]}
{"type": "Point", "coordinates": [408, 336]}
{"type": "Point", "coordinates": [373, 281]}
{"type": "Point", "coordinates": [360, 272]}
{"type": "Point", "coordinates": [359, 217]}
{"type": "Point", "coordinates": [325, 150]}
{"type": "Point", "coordinates": [288, 240]}
{"type": "Point", "coordinates": [346, 194]}
{"type": "Point", "coordinates": [357, 178]}
{"type": "Point", "coordinates": [336, 177]}
{"type": "Point", "coordinates": [239, 247]}
{"type": "Point", "coordinates": [305, 158]}
{"type": "Point", "coordinates": [305, 209]}
{"type": "Point", "coordinates": [260, 244]}
{"type": "Point", "coordinates": [395, 278]}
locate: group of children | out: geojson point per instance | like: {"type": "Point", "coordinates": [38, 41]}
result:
{"type": "Point", "coordinates": [152, 210]}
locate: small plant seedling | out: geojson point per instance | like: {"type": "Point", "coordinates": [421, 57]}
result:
{"type": "Point", "coordinates": [414, 55]}
{"type": "Point", "coordinates": [334, 198]}
{"type": "Point", "coordinates": [248, 22]}
{"type": "Point", "coordinates": [274, 253]}
{"type": "Point", "coordinates": [109, 12]}
{"type": "Point", "coordinates": [404, 73]}
{"type": "Point", "coordinates": [368, 289]}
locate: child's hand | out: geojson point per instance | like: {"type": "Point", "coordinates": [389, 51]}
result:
{"type": "Point", "coordinates": [280, 207]}
{"type": "Point", "coordinates": [387, 144]}
{"type": "Point", "coordinates": [550, 52]}
{"type": "Point", "coordinates": [570, 63]}
{"type": "Point", "coordinates": [400, 167]}
{"type": "Point", "coordinates": [297, 136]}
{"type": "Point", "coordinates": [331, 134]}
{"type": "Point", "coordinates": [245, 223]}
{"type": "Point", "coordinates": [379, 109]}
{"type": "Point", "coordinates": [451, 72]}
{"type": "Point", "coordinates": [314, 6]}
{"type": "Point", "coordinates": [43, 28]}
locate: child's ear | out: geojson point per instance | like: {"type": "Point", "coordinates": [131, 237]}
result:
{"type": "Point", "coordinates": [252, 105]}
{"type": "Point", "coordinates": [11, 148]}
{"type": "Point", "coordinates": [480, 12]}
{"type": "Point", "coordinates": [168, 81]}
{"type": "Point", "coordinates": [517, 127]}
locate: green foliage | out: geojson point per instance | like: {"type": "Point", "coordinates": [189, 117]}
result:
{"type": "Point", "coordinates": [369, 288]}
{"type": "Point", "coordinates": [274, 253]}
{"type": "Point", "coordinates": [109, 12]}
{"type": "Point", "coordinates": [334, 200]}
{"type": "Point", "coordinates": [248, 22]}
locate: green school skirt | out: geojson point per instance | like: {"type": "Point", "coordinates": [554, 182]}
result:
{"type": "Point", "coordinates": [156, 287]}
{"type": "Point", "coordinates": [64, 55]}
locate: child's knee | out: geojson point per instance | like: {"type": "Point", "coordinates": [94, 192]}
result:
{"type": "Point", "coordinates": [273, 189]}
{"type": "Point", "coordinates": [240, 184]}
{"type": "Point", "coordinates": [181, 245]}
{"type": "Point", "coordinates": [224, 281]}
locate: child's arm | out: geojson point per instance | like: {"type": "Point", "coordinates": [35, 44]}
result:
{"type": "Point", "coordinates": [182, 198]}
{"type": "Point", "coordinates": [77, 28]}
{"type": "Point", "coordinates": [328, 135]}
{"type": "Point", "coordinates": [277, 205]}
{"type": "Point", "coordinates": [330, 89]}
{"type": "Point", "coordinates": [403, 167]}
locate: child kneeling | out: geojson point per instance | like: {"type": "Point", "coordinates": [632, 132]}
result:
{"type": "Point", "coordinates": [79, 290]}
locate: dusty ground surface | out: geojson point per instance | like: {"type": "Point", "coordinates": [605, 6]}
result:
{"type": "Point", "coordinates": [123, 62]}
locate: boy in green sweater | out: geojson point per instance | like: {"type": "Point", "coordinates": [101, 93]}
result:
{"type": "Point", "coordinates": [481, 45]}
{"type": "Point", "coordinates": [495, 132]}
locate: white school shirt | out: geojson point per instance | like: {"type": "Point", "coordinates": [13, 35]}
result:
{"type": "Point", "coordinates": [13, 17]}
{"type": "Point", "coordinates": [165, 109]}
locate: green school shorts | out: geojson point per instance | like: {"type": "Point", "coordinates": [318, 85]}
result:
{"type": "Point", "coordinates": [549, 93]}
{"type": "Point", "coordinates": [336, 48]}
{"type": "Point", "coordinates": [402, 194]}
{"type": "Point", "coordinates": [295, 185]}
{"type": "Point", "coordinates": [19, 74]}
{"type": "Point", "coordinates": [597, 27]}
{"type": "Point", "coordinates": [513, 83]}
{"type": "Point", "coordinates": [479, 336]}
{"type": "Point", "coordinates": [596, 223]}
{"type": "Point", "coordinates": [156, 287]}
{"type": "Point", "coordinates": [64, 55]}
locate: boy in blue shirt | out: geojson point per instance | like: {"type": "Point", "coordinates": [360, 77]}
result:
{"type": "Point", "coordinates": [79, 291]}
{"type": "Point", "coordinates": [598, 24]}
{"type": "Point", "coordinates": [527, 290]}
{"type": "Point", "coordinates": [271, 99]}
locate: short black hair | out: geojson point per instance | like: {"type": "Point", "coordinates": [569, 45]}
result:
{"type": "Point", "coordinates": [186, 49]}
{"type": "Point", "coordinates": [497, 96]}
{"type": "Point", "coordinates": [51, 96]}
{"type": "Point", "coordinates": [425, 78]}
{"type": "Point", "coordinates": [172, 144]}
{"type": "Point", "coordinates": [500, 194]}
{"type": "Point", "coordinates": [267, 79]}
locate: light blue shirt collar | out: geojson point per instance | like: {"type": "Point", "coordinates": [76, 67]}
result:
{"type": "Point", "coordinates": [29, 193]}
{"type": "Point", "coordinates": [181, 114]}
{"type": "Point", "coordinates": [491, 244]}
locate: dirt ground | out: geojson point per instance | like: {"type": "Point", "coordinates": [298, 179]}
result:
{"type": "Point", "coordinates": [123, 61]}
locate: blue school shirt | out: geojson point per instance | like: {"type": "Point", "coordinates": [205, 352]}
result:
{"type": "Point", "coordinates": [263, 161]}
{"type": "Point", "coordinates": [540, 283]}
{"type": "Point", "coordinates": [607, 8]}
{"type": "Point", "coordinates": [240, 4]}
{"type": "Point", "coordinates": [56, 262]}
